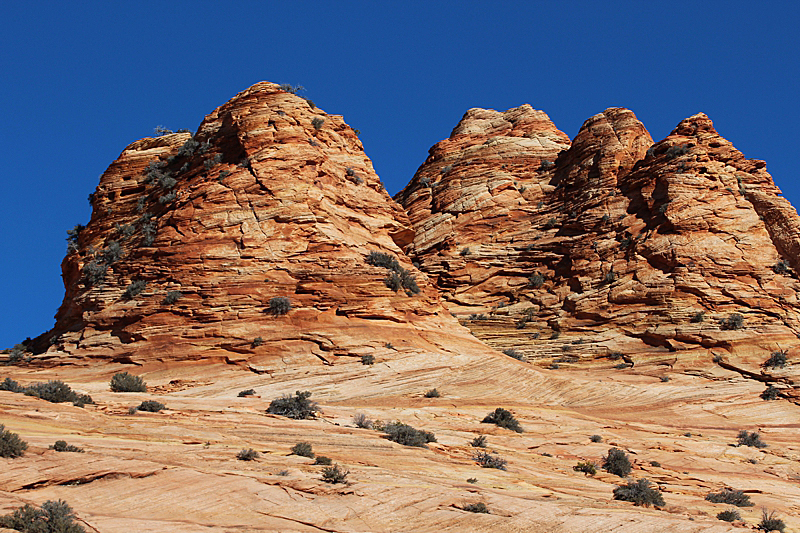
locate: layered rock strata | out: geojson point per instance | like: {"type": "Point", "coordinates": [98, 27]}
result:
{"type": "Point", "coordinates": [198, 245]}
{"type": "Point", "coordinates": [622, 244]}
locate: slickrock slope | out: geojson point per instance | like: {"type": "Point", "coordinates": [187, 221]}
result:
{"type": "Point", "coordinates": [271, 198]}
{"type": "Point", "coordinates": [617, 243]}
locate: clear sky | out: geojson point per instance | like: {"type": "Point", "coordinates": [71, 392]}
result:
{"type": "Point", "coordinates": [81, 80]}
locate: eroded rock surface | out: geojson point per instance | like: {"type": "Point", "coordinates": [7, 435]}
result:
{"type": "Point", "coordinates": [271, 198]}
{"type": "Point", "coordinates": [615, 242]}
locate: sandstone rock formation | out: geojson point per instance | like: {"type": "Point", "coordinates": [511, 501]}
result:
{"type": "Point", "coordinates": [617, 243]}
{"type": "Point", "coordinates": [271, 198]}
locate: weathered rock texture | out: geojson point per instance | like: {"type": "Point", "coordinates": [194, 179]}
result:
{"type": "Point", "coordinates": [616, 242]}
{"type": "Point", "coordinates": [272, 197]}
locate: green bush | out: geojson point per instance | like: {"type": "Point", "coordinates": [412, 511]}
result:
{"type": "Point", "coordinates": [247, 454]}
{"type": "Point", "coordinates": [322, 460]}
{"type": "Point", "coordinates": [248, 392]}
{"type": "Point", "coordinates": [10, 385]}
{"type": "Point", "coordinates": [617, 463]}
{"type": "Point", "coordinates": [479, 442]}
{"type": "Point", "coordinates": [640, 492]}
{"type": "Point", "coordinates": [134, 289]}
{"type": "Point", "coordinates": [777, 359]}
{"type": "Point", "coordinates": [752, 439]}
{"type": "Point", "coordinates": [172, 297]}
{"type": "Point", "coordinates": [770, 393]}
{"type": "Point", "coordinates": [17, 355]}
{"type": "Point", "coordinates": [596, 438]}
{"type": "Point", "coordinates": [51, 517]}
{"type": "Point", "coordinates": [367, 360]}
{"type": "Point", "coordinates": [317, 122]}
{"type": "Point", "coordinates": [362, 421]}
{"type": "Point", "coordinates": [398, 276]}
{"type": "Point", "coordinates": [587, 467]}
{"type": "Point", "coordinates": [479, 507]}
{"type": "Point", "coordinates": [733, 322]}
{"type": "Point", "coordinates": [781, 267]}
{"type": "Point", "coordinates": [770, 522]}
{"type": "Point", "coordinates": [151, 406]}
{"type": "Point", "coordinates": [731, 497]}
{"type": "Point", "coordinates": [279, 305]}
{"type": "Point", "coordinates": [504, 419]}
{"type": "Point", "coordinates": [730, 515]}
{"type": "Point", "coordinates": [407, 435]}
{"type": "Point", "coordinates": [433, 393]}
{"type": "Point", "coordinates": [62, 446]}
{"type": "Point", "coordinates": [56, 391]}
{"type": "Point", "coordinates": [124, 382]}
{"type": "Point", "coordinates": [487, 460]}
{"type": "Point", "coordinates": [11, 445]}
{"type": "Point", "coordinates": [298, 407]}
{"type": "Point", "coordinates": [303, 449]}
{"type": "Point", "coordinates": [698, 317]}
{"type": "Point", "coordinates": [536, 280]}
{"type": "Point", "coordinates": [334, 474]}
{"type": "Point", "coordinates": [511, 352]}
{"type": "Point", "coordinates": [258, 341]}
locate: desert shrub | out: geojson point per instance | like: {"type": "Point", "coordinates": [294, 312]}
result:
{"type": "Point", "coordinates": [551, 223]}
{"type": "Point", "coordinates": [781, 267]}
{"type": "Point", "coordinates": [777, 359]}
{"type": "Point", "coordinates": [17, 355]}
{"type": "Point", "coordinates": [51, 517]}
{"type": "Point", "coordinates": [729, 515]}
{"type": "Point", "coordinates": [614, 356]}
{"type": "Point", "coordinates": [698, 317]}
{"type": "Point", "coordinates": [596, 438]}
{"type": "Point", "coordinates": [383, 260]}
{"type": "Point", "coordinates": [94, 272]}
{"type": "Point", "coordinates": [334, 474]}
{"type": "Point", "coordinates": [536, 280]}
{"type": "Point", "coordinates": [617, 463]}
{"type": "Point", "coordinates": [511, 352]}
{"type": "Point", "coordinates": [124, 382]}
{"type": "Point", "coordinates": [279, 305]}
{"type": "Point", "coordinates": [433, 393]}
{"type": "Point", "coordinates": [112, 252]}
{"type": "Point", "coordinates": [72, 237]}
{"type": "Point", "coordinates": [664, 379]}
{"type": "Point", "coordinates": [368, 360]}
{"type": "Point", "coordinates": [151, 406]}
{"type": "Point", "coordinates": [770, 393]}
{"type": "Point", "coordinates": [731, 497]}
{"type": "Point", "coordinates": [479, 441]}
{"type": "Point", "coordinates": [655, 463]}
{"type": "Point", "coordinates": [322, 460]}
{"type": "Point", "coordinates": [622, 366]}
{"type": "Point", "coordinates": [640, 492]}
{"type": "Point", "coordinates": [407, 435]}
{"type": "Point", "coordinates": [587, 467]}
{"type": "Point", "coordinates": [10, 444]}
{"type": "Point", "coordinates": [62, 446]}
{"type": "Point", "coordinates": [770, 522]}
{"type": "Point", "coordinates": [472, 480]}
{"type": "Point", "coordinates": [258, 341]}
{"type": "Point", "coordinates": [134, 289]}
{"type": "Point", "coordinates": [172, 297]}
{"type": "Point", "coordinates": [479, 507]}
{"type": "Point", "coordinates": [188, 148]}
{"type": "Point", "coordinates": [362, 421]}
{"type": "Point", "coordinates": [247, 392]}
{"type": "Point", "coordinates": [317, 122]}
{"type": "Point", "coordinates": [752, 439]}
{"type": "Point", "coordinates": [487, 460]}
{"type": "Point", "coordinates": [546, 164]}
{"type": "Point", "coordinates": [464, 251]}
{"type": "Point", "coordinates": [289, 88]}
{"type": "Point", "coordinates": [677, 150]}
{"type": "Point", "coordinates": [10, 385]}
{"type": "Point", "coordinates": [504, 419]}
{"type": "Point", "coordinates": [298, 407]}
{"type": "Point", "coordinates": [57, 391]}
{"type": "Point", "coordinates": [212, 162]}
{"type": "Point", "coordinates": [734, 321]}
{"type": "Point", "coordinates": [167, 198]}
{"type": "Point", "coordinates": [247, 454]}
{"type": "Point", "coordinates": [303, 449]}
{"type": "Point", "coordinates": [610, 277]}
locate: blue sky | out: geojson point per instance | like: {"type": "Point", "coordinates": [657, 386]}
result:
{"type": "Point", "coordinates": [84, 79]}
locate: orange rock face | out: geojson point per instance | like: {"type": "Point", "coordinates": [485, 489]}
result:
{"type": "Point", "coordinates": [618, 242]}
{"type": "Point", "coordinates": [271, 198]}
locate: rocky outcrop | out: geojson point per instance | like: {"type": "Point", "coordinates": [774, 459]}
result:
{"type": "Point", "coordinates": [620, 244]}
{"type": "Point", "coordinates": [192, 237]}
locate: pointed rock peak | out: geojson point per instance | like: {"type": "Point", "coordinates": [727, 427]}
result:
{"type": "Point", "coordinates": [517, 121]}
{"type": "Point", "coordinates": [699, 123]}
{"type": "Point", "coordinates": [616, 128]}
